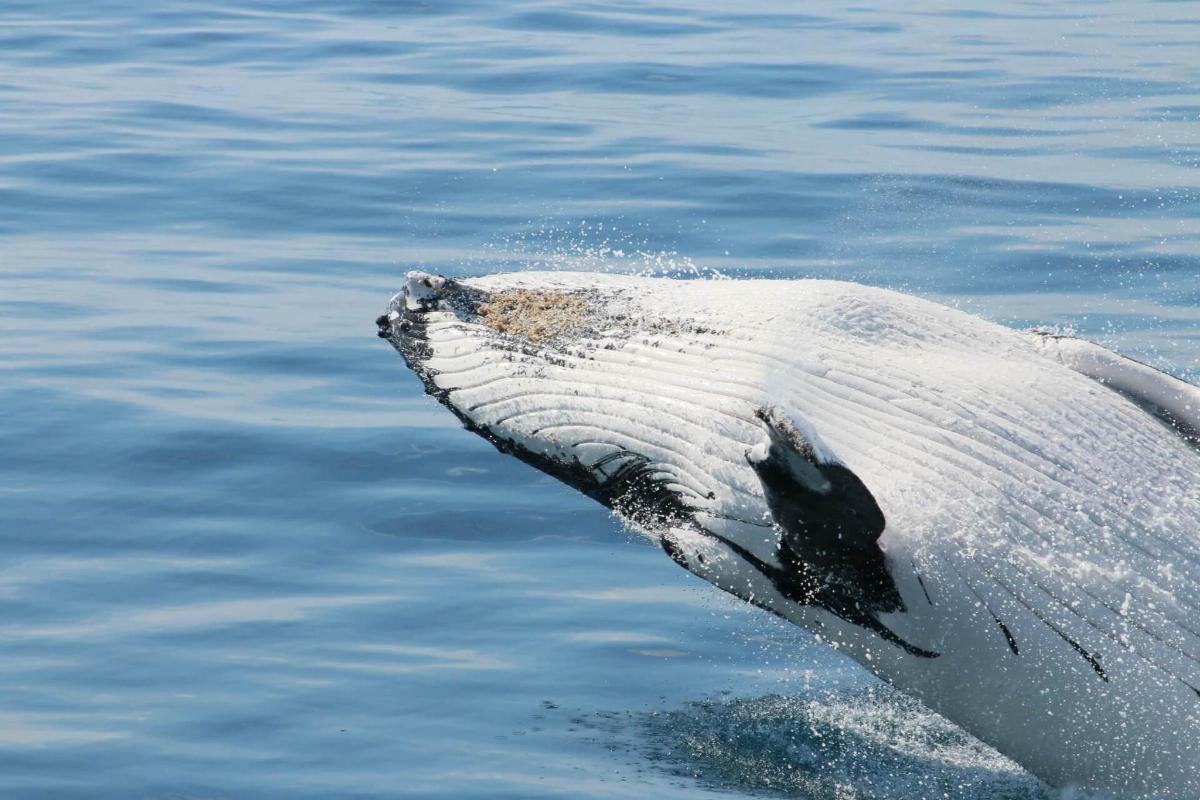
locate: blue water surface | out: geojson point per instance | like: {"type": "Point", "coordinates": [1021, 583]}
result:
{"type": "Point", "coordinates": [241, 555]}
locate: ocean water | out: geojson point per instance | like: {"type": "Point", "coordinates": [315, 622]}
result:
{"type": "Point", "coordinates": [242, 556]}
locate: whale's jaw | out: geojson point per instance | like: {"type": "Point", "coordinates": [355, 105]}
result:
{"type": "Point", "coordinates": [829, 560]}
{"type": "Point", "coordinates": [631, 489]}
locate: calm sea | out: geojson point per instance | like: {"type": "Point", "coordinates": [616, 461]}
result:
{"type": "Point", "coordinates": [241, 556]}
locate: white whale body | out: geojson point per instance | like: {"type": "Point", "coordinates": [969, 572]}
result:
{"type": "Point", "coordinates": [1005, 525]}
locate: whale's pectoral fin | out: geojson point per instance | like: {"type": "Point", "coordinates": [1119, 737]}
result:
{"type": "Point", "coordinates": [830, 526]}
{"type": "Point", "coordinates": [1174, 401]}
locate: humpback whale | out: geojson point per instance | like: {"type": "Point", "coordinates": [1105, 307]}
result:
{"type": "Point", "coordinates": [1002, 524]}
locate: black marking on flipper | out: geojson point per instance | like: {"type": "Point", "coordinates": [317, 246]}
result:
{"type": "Point", "coordinates": [1132, 542]}
{"type": "Point", "coordinates": [921, 581]}
{"type": "Point", "coordinates": [1012, 643]}
{"type": "Point", "coordinates": [1008, 637]}
{"type": "Point", "coordinates": [1066, 606]}
{"type": "Point", "coordinates": [795, 588]}
{"type": "Point", "coordinates": [1175, 621]}
{"type": "Point", "coordinates": [830, 526]}
{"type": "Point", "coordinates": [737, 591]}
{"type": "Point", "coordinates": [671, 548]}
{"type": "Point", "coordinates": [1091, 659]}
{"type": "Point", "coordinates": [829, 519]}
{"type": "Point", "coordinates": [1108, 634]}
{"type": "Point", "coordinates": [799, 588]}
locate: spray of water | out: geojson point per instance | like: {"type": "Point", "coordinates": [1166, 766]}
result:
{"type": "Point", "coordinates": [586, 246]}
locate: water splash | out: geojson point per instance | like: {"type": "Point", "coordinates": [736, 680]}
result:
{"type": "Point", "coordinates": [586, 246]}
{"type": "Point", "coordinates": [841, 745]}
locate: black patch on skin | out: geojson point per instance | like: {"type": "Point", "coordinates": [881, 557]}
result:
{"type": "Point", "coordinates": [670, 547]}
{"type": "Point", "coordinates": [634, 491]}
{"type": "Point", "coordinates": [1008, 637]}
{"type": "Point", "coordinates": [798, 586]}
{"type": "Point", "coordinates": [921, 581]}
{"type": "Point", "coordinates": [1091, 659]}
{"type": "Point", "coordinates": [1012, 643]}
{"type": "Point", "coordinates": [1189, 433]}
{"type": "Point", "coordinates": [1093, 662]}
{"type": "Point", "coordinates": [818, 570]}
{"type": "Point", "coordinates": [830, 527]}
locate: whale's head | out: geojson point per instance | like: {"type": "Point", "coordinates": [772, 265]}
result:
{"type": "Point", "coordinates": [609, 384]}
{"type": "Point", "coordinates": [502, 327]}
{"type": "Point", "coordinates": [509, 355]}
